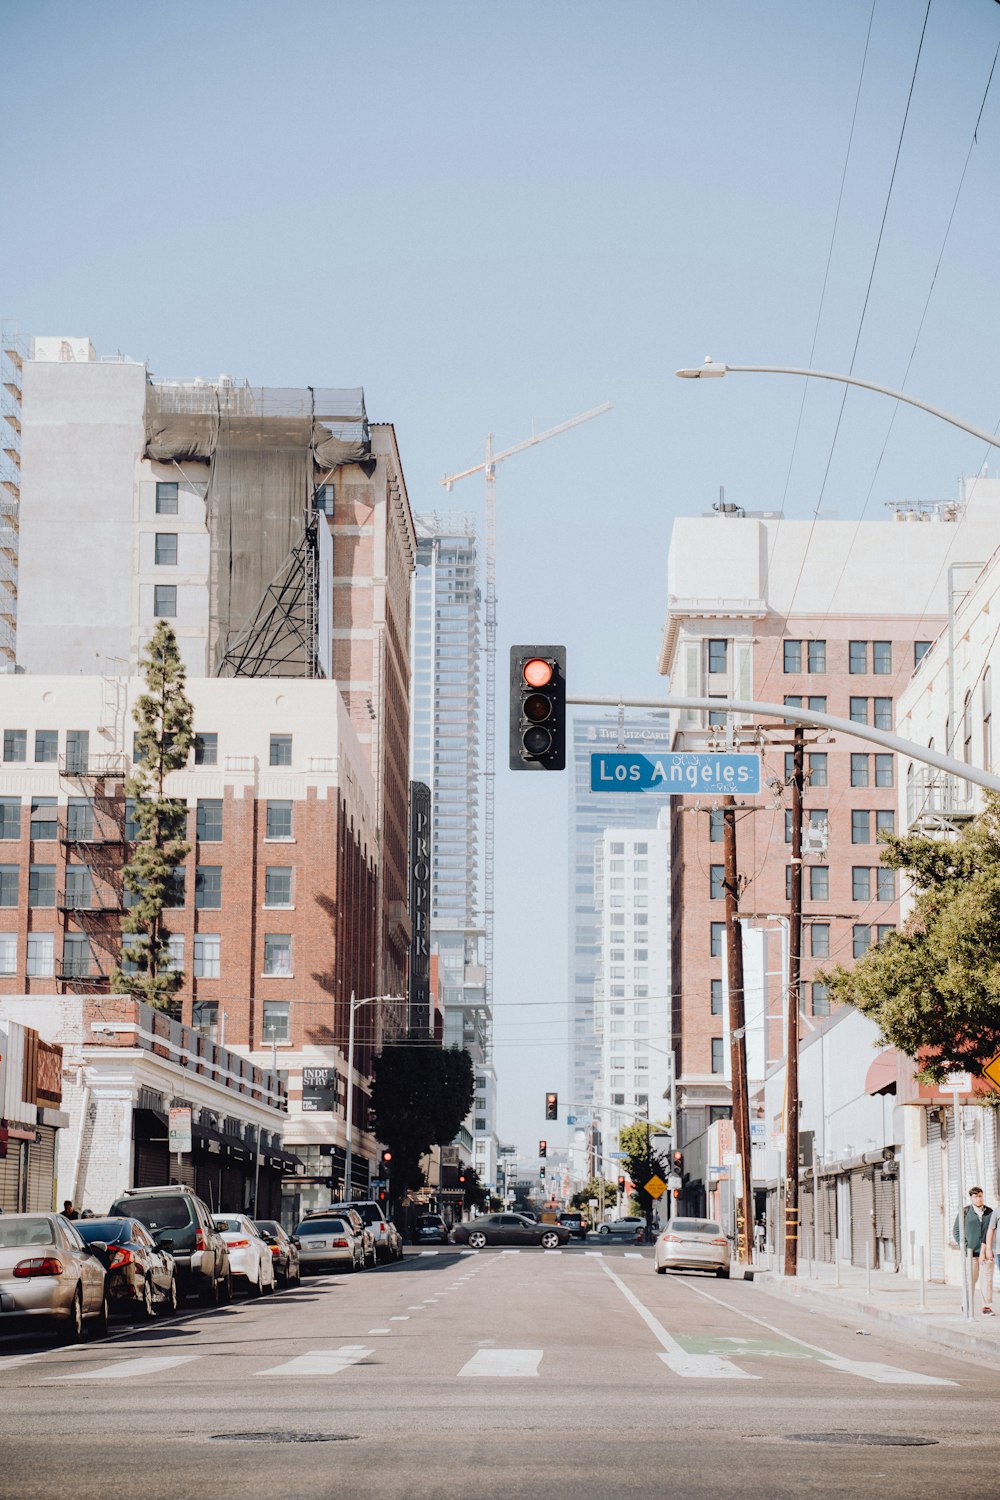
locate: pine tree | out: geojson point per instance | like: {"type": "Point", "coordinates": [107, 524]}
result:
{"type": "Point", "coordinates": [164, 722]}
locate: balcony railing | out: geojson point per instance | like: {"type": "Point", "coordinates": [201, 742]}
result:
{"type": "Point", "coordinates": [111, 765]}
{"type": "Point", "coordinates": [92, 902]}
{"type": "Point", "coordinates": [932, 794]}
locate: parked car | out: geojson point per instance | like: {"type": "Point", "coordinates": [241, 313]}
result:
{"type": "Point", "coordinates": [372, 1215]}
{"type": "Point", "coordinates": [395, 1242]}
{"type": "Point", "coordinates": [330, 1240]}
{"type": "Point", "coordinates": [692, 1245]}
{"type": "Point", "coordinates": [49, 1276]}
{"type": "Point", "coordinates": [251, 1264]}
{"type": "Point", "coordinates": [430, 1229]}
{"type": "Point", "coordinates": [140, 1273]}
{"type": "Point", "coordinates": [631, 1229]}
{"type": "Point", "coordinates": [179, 1222]}
{"type": "Point", "coordinates": [575, 1223]}
{"type": "Point", "coordinates": [364, 1232]}
{"type": "Point", "coordinates": [284, 1251]}
{"type": "Point", "coordinates": [508, 1229]}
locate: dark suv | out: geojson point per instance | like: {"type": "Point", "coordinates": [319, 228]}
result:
{"type": "Point", "coordinates": [179, 1222]}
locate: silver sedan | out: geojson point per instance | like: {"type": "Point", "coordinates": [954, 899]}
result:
{"type": "Point", "coordinates": [692, 1245]}
{"type": "Point", "coordinates": [49, 1276]}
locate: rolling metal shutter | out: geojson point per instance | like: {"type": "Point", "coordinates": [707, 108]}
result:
{"type": "Point", "coordinates": [42, 1171]}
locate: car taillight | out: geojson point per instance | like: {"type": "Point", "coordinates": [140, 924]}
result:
{"type": "Point", "coordinates": [339, 1244]}
{"type": "Point", "coordinates": [719, 1240]}
{"type": "Point", "coordinates": [120, 1258]}
{"type": "Point", "coordinates": [38, 1265]}
{"type": "Point", "coordinates": [199, 1239]}
{"type": "Point", "coordinates": [237, 1244]}
{"type": "Point", "coordinates": [275, 1249]}
{"type": "Point", "coordinates": [672, 1239]}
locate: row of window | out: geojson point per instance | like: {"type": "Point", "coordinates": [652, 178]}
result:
{"type": "Point", "coordinates": [46, 746]}
{"type": "Point", "coordinates": [868, 882]}
{"type": "Point", "coordinates": [78, 892]}
{"type": "Point", "coordinates": [873, 657]}
{"type": "Point", "coordinates": [77, 954]}
{"type": "Point", "coordinates": [816, 935]}
{"type": "Point", "coordinates": [278, 819]}
{"type": "Point", "coordinates": [876, 712]}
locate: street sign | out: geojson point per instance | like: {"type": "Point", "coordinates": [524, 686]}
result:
{"type": "Point", "coordinates": [992, 1070]}
{"type": "Point", "coordinates": [758, 1132]}
{"type": "Point", "coordinates": [655, 1187]}
{"type": "Point", "coordinates": [571, 1119]}
{"type": "Point", "coordinates": [677, 773]}
{"type": "Point", "coordinates": [958, 1083]}
{"type": "Point", "coordinates": [179, 1131]}
{"type": "Point", "coordinates": [616, 1155]}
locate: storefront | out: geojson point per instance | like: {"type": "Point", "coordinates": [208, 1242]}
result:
{"type": "Point", "coordinates": [30, 1119]}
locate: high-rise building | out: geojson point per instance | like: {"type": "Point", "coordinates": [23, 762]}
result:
{"type": "Point", "coordinates": [445, 754]}
{"type": "Point", "coordinates": [590, 813]}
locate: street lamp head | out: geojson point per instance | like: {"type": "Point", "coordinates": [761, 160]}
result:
{"type": "Point", "coordinates": [703, 372]}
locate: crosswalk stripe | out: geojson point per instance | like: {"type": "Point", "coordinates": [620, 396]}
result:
{"type": "Point", "coordinates": [322, 1361]}
{"type": "Point", "coordinates": [496, 1363]}
{"type": "Point", "coordinates": [130, 1368]}
{"type": "Point", "coordinates": [634, 1255]}
{"type": "Point", "coordinates": [599, 1253]}
{"type": "Point", "coordinates": [884, 1374]}
{"type": "Point", "coordinates": [430, 1252]}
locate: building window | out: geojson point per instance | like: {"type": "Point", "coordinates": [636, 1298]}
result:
{"type": "Point", "coordinates": [41, 885]}
{"type": "Point", "coordinates": [885, 822]}
{"type": "Point", "coordinates": [819, 939]}
{"type": "Point", "coordinates": [165, 601]}
{"type": "Point", "coordinates": [79, 892]}
{"type": "Point", "coordinates": [717, 939]}
{"type": "Point", "coordinates": [76, 955]}
{"type": "Point", "coordinates": [323, 498]}
{"type": "Point", "coordinates": [859, 710]}
{"type": "Point", "coordinates": [718, 1060]}
{"type": "Point", "coordinates": [862, 939]}
{"type": "Point", "coordinates": [816, 655]}
{"type": "Point", "coordinates": [165, 551]}
{"type": "Point", "coordinates": [166, 497]}
{"type": "Point", "coordinates": [10, 817]}
{"type": "Point", "coordinates": [15, 744]}
{"type": "Point", "coordinates": [857, 657]}
{"type": "Point", "coordinates": [820, 998]}
{"type": "Point", "coordinates": [41, 955]}
{"type": "Point", "coordinates": [279, 820]}
{"type": "Point", "coordinates": [859, 766]}
{"type": "Point", "coordinates": [278, 954]}
{"type": "Point", "coordinates": [788, 882]}
{"type": "Point", "coordinates": [174, 895]}
{"type": "Point", "coordinates": [792, 700]}
{"type": "Point", "coordinates": [8, 885]}
{"type": "Point", "coordinates": [819, 883]}
{"type": "Point", "coordinates": [43, 818]}
{"type": "Point", "coordinates": [275, 1021]}
{"type": "Point", "coordinates": [205, 1016]}
{"type": "Point", "coordinates": [206, 749]}
{"type": "Point", "coordinates": [883, 713]}
{"type": "Point", "coordinates": [175, 946]}
{"type": "Point", "coordinates": [882, 658]}
{"type": "Point", "coordinates": [131, 826]}
{"type": "Point", "coordinates": [716, 826]}
{"type": "Point", "coordinates": [816, 705]}
{"type": "Point", "coordinates": [208, 887]}
{"type": "Point", "coordinates": [46, 747]}
{"type": "Point", "coordinates": [861, 883]}
{"type": "Point", "coordinates": [885, 884]}
{"type": "Point", "coordinates": [818, 775]}
{"type": "Point", "coordinates": [861, 826]}
{"type": "Point", "coordinates": [716, 997]}
{"type": "Point", "coordinates": [208, 820]}
{"type": "Point", "coordinates": [793, 656]}
{"type": "Point", "coordinates": [207, 955]}
{"type": "Point", "coordinates": [883, 930]}
{"type": "Point", "coordinates": [716, 878]}
{"type": "Point", "coordinates": [77, 750]}
{"type": "Point", "coordinates": [920, 650]}
{"type": "Point", "coordinates": [80, 818]}
{"type": "Point", "coordinates": [718, 655]}
{"type": "Point", "coordinates": [8, 952]}
{"type": "Point", "coordinates": [884, 770]}
{"type": "Point", "coordinates": [278, 885]}
{"type": "Point", "coordinates": [281, 750]}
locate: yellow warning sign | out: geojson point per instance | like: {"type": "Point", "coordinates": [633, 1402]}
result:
{"type": "Point", "coordinates": [992, 1070]}
{"type": "Point", "coordinates": [655, 1187]}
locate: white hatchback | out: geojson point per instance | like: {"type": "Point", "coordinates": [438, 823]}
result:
{"type": "Point", "coordinates": [250, 1259]}
{"type": "Point", "coordinates": [692, 1245]}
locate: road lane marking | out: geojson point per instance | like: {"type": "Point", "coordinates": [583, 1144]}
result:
{"type": "Point", "coordinates": [599, 1253]}
{"type": "Point", "coordinates": [416, 1307]}
{"type": "Point", "coordinates": [510, 1252]}
{"type": "Point", "coordinates": [676, 1358]}
{"type": "Point", "coordinates": [379, 1330]}
{"type": "Point", "coordinates": [430, 1252]}
{"type": "Point", "coordinates": [634, 1255]}
{"type": "Point", "coordinates": [882, 1374]}
{"type": "Point", "coordinates": [496, 1363]}
{"type": "Point", "coordinates": [552, 1252]}
{"type": "Point", "coordinates": [400, 1318]}
{"type": "Point", "coordinates": [130, 1368]}
{"type": "Point", "coordinates": [322, 1361]}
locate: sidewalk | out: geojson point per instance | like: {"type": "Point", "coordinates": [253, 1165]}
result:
{"type": "Point", "coordinates": [894, 1299]}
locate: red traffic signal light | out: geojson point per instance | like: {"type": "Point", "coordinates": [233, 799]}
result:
{"type": "Point", "coordinates": [621, 1184]}
{"type": "Point", "coordinates": [543, 1148]}
{"type": "Point", "coordinates": [538, 708]}
{"type": "Point", "coordinates": [386, 1158]}
{"type": "Point", "coordinates": [552, 1106]}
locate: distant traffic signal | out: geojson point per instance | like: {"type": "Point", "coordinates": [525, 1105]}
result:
{"type": "Point", "coordinates": [538, 708]}
{"type": "Point", "coordinates": [543, 1148]}
{"type": "Point", "coordinates": [552, 1106]}
{"type": "Point", "coordinates": [541, 1171]}
{"type": "Point", "coordinates": [677, 1162]}
{"type": "Point", "coordinates": [621, 1184]}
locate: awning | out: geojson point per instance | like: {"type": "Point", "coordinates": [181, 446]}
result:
{"type": "Point", "coordinates": [281, 1161]}
{"type": "Point", "coordinates": [881, 1076]}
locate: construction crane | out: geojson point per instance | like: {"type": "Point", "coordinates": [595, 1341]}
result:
{"type": "Point", "coordinates": [489, 468]}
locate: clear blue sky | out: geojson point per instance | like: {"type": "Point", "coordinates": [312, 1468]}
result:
{"type": "Point", "coordinates": [490, 215]}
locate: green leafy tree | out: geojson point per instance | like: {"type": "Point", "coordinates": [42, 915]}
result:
{"type": "Point", "coordinates": [933, 989]}
{"type": "Point", "coordinates": [641, 1163]}
{"type": "Point", "coordinates": [606, 1194]}
{"type": "Point", "coordinates": [421, 1093]}
{"type": "Point", "coordinates": [164, 732]}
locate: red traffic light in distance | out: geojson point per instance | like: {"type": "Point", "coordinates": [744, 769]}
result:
{"type": "Point", "coordinates": [552, 1106]}
{"type": "Point", "coordinates": [543, 1148]}
{"type": "Point", "coordinates": [538, 708]}
{"type": "Point", "coordinates": [386, 1158]}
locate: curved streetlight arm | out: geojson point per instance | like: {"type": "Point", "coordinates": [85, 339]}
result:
{"type": "Point", "coordinates": [713, 369]}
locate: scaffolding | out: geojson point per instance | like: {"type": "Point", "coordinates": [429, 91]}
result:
{"type": "Point", "coordinates": [12, 356]}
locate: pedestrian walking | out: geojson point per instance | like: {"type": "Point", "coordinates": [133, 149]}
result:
{"type": "Point", "coordinates": [69, 1212]}
{"type": "Point", "coordinates": [979, 1243]}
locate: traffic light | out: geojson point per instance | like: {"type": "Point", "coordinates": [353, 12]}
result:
{"type": "Point", "coordinates": [543, 1148]}
{"type": "Point", "coordinates": [621, 1184]}
{"type": "Point", "coordinates": [541, 1172]}
{"type": "Point", "coordinates": [386, 1162]}
{"type": "Point", "coordinates": [552, 1106]}
{"type": "Point", "coordinates": [538, 708]}
{"type": "Point", "coordinates": [677, 1162]}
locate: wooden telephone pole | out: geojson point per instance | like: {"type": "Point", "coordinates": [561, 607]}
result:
{"type": "Point", "coordinates": [792, 1007]}
{"type": "Point", "coordinates": [737, 1033]}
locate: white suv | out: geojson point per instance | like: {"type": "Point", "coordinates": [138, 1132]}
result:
{"type": "Point", "coordinates": [387, 1245]}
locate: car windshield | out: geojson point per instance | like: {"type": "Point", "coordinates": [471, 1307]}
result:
{"type": "Point", "coordinates": [321, 1226]}
{"type": "Point", "coordinates": [696, 1226]}
{"type": "Point", "coordinates": [18, 1232]}
{"type": "Point", "coordinates": [160, 1213]}
{"type": "Point", "coordinates": [268, 1226]}
{"type": "Point", "coordinates": [111, 1231]}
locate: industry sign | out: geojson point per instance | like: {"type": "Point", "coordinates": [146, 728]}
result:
{"type": "Point", "coordinates": [676, 773]}
{"type": "Point", "coordinates": [319, 1090]}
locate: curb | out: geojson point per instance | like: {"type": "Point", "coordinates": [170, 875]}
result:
{"type": "Point", "coordinates": [914, 1324]}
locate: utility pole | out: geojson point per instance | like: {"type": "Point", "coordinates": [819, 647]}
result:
{"type": "Point", "coordinates": [792, 1024]}
{"type": "Point", "coordinates": [737, 1030]}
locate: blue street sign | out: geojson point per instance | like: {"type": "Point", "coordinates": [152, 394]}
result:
{"type": "Point", "coordinates": [571, 1119]}
{"type": "Point", "coordinates": [678, 773]}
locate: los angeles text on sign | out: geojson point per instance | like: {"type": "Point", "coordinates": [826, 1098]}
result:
{"type": "Point", "coordinates": [678, 773]}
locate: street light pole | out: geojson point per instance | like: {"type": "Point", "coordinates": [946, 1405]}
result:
{"type": "Point", "coordinates": [712, 369]}
{"type": "Point", "coordinates": [349, 1122]}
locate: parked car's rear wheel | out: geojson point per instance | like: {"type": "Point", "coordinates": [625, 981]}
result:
{"type": "Point", "coordinates": [169, 1303]}
{"type": "Point", "coordinates": [549, 1240]}
{"type": "Point", "coordinates": [477, 1240]}
{"type": "Point", "coordinates": [210, 1293]}
{"type": "Point", "coordinates": [70, 1330]}
{"type": "Point", "coordinates": [723, 1271]}
{"type": "Point", "coordinates": [661, 1270]}
{"type": "Point", "coordinates": [147, 1298]}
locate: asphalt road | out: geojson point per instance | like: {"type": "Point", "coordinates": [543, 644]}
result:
{"type": "Point", "coordinates": [505, 1373]}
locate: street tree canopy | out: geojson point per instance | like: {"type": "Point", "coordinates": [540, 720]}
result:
{"type": "Point", "coordinates": [933, 989]}
{"type": "Point", "coordinates": [642, 1162]}
{"type": "Point", "coordinates": [421, 1093]}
